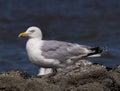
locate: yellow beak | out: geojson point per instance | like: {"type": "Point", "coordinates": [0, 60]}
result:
{"type": "Point", "coordinates": [22, 34]}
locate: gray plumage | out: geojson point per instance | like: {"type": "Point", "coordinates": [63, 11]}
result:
{"type": "Point", "coordinates": [62, 50]}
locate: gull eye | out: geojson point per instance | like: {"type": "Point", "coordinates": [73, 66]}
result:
{"type": "Point", "coordinates": [32, 31]}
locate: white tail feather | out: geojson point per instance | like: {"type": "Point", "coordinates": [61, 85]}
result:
{"type": "Point", "coordinates": [95, 55]}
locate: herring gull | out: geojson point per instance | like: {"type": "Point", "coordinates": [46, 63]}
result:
{"type": "Point", "coordinates": [49, 55]}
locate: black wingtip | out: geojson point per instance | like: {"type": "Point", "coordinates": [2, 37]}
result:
{"type": "Point", "coordinates": [97, 50]}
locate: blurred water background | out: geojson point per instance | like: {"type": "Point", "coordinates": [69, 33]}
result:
{"type": "Point", "coordinates": [88, 22]}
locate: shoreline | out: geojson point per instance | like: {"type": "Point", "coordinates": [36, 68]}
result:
{"type": "Point", "coordinates": [83, 76]}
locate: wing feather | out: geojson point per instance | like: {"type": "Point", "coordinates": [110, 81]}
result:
{"type": "Point", "coordinates": [62, 50]}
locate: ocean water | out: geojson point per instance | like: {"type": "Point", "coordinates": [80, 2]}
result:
{"type": "Point", "coordinates": [88, 22]}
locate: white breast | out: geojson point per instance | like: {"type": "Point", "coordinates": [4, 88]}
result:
{"type": "Point", "coordinates": [33, 48]}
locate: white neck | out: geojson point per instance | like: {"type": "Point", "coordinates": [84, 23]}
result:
{"type": "Point", "coordinates": [33, 43]}
{"type": "Point", "coordinates": [38, 37]}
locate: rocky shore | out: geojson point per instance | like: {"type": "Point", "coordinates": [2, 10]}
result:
{"type": "Point", "coordinates": [83, 76]}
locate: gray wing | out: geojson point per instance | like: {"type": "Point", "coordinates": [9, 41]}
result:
{"type": "Point", "coordinates": [62, 50]}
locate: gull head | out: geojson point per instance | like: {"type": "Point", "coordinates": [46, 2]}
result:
{"type": "Point", "coordinates": [32, 32]}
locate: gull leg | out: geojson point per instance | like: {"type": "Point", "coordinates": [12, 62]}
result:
{"type": "Point", "coordinates": [44, 71]}
{"type": "Point", "coordinates": [54, 71]}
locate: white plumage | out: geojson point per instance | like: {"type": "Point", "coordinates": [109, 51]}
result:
{"type": "Point", "coordinates": [49, 55]}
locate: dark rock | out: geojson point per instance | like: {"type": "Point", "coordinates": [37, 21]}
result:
{"type": "Point", "coordinates": [83, 76]}
{"type": "Point", "coordinates": [93, 87]}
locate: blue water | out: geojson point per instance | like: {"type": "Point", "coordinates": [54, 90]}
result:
{"type": "Point", "coordinates": [89, 22]}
